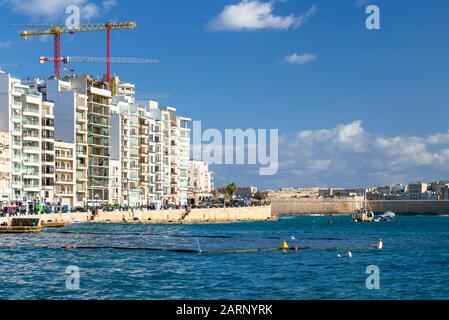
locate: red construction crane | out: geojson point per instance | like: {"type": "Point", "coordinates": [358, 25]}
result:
{"type": "Point", "coordinates": [57, 31]}
{"type": "Point", "coordinates": [67, 60]}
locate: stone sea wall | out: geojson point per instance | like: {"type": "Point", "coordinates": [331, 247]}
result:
{"type": "Point", "coordinates": [314, 206]}
{"type": "Point", "coordinates": [349, 205]}
{"type": "Point", "coordinates": [436, 207]}
{"type": "Point", "coordinates": [213, 215]}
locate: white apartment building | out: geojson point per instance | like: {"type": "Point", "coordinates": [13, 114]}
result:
{"type": "Point", "coordinates": [184, 158]}
{"type": "Point", "coordinates": [171, 173]}
{"type": "Point", "coordinates": [28, 119]}
{"type": "Point", "coordinates": [125, 147]}
{"type": "Point", "coordinates": [71, 126]}
{"type": "Point", "coordinates": [115, 182]}
{"type": "Point", "coordinates": [65, 173]}
{"type": "Point", "coordinates": [5, 167]}
{"type": "Point", "coordinates": [199, 181]}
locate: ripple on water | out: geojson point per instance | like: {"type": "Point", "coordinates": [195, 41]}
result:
{"type": "Point", "coordinates": [413, 263]}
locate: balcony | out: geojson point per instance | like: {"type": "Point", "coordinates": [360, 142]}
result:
{"type": "Point", "coordinates": [31, 125]}
{"type": "Point", "coordinates": [31, 188]}
{"type": "Point", "coordinates": [31, 137]}
{"type": "Point", "coordinates": [31, 175]}
{"type": "Point", "coordinates": [30, 149]}
{"type": "Point", "coordinates": [33, 112]}
{"type": "Point", "coordinates": [64, 168]}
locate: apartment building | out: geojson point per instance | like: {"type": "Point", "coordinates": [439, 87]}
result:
{"type": "Point", "coordinates": [48, 151]}
{"type": "Point", "coordinates": [70, 126]}
{"type": "Point", "coordinates": [199, 181]}
{"type": "Point", "coordinates": [418, 190]}
{"type": "Point", "coordinates": [156, 149]}
{"type": "Point", "coordinates": [5, 167]}
{"type": "Point", "coordinates": [65, 173]}
{"type": "Point", "coordinates": [98, 136]}
{"type": "Point", "coordinates": [115, 182]}
{"type": "Point", "coordinates": [120, 88]}
{"type": "Point", "coordinates": [27, 118]}
{"type": "Point", "coordinates": [146, 194]}
{"type": "Point", "coordinates": [175, 151]}
{"type": "Point", "coordinates": [184, 158]}
{"type": "Point", "coordinates": [125, 138]}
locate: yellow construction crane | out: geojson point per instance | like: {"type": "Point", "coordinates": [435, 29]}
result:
{"type": "Point", "coordinates": [57, 31]}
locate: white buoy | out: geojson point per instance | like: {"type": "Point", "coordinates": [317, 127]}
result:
{"type": "Point", "coordinates": [380, 244]}
{"type": "Point", "coordinates": [339, 255]}
{"type": "Point", "coordinates": [293, 238]}
{"type": "Point", "coordinates": [349, 254]}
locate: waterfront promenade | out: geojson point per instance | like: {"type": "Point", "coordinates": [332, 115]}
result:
{"type": "Point", "coordinates": [206, 215]}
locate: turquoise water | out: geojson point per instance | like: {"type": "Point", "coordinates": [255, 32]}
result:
{"type": "Point", "coordinates": [414, 263]}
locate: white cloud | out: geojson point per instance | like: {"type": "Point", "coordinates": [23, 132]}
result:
{"type": "Point", "coordinates": [55, 9]}
{"type": "Point", "coordinates": [299, 58]}
{"type": "Point", "coordinates": [255, 15]}
{"type": "Point", "coordinates": [348, 155]}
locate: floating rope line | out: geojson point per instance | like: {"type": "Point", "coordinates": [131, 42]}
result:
{"type": "Point", "coordinates": [168, 250]}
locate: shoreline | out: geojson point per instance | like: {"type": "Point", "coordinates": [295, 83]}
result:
{"type": "Point", "coordinates": [194, 216]}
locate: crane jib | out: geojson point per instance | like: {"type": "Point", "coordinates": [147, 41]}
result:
{"type": "Point", "coordinates": [84, 27]}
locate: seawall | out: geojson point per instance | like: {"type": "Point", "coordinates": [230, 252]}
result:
{"type": "Point", "coordinates": [314, 206]}
{"type": "Point", "coordinates": [431, 207]}
{"type": "Point", "coordinates": [210, 215]}
{"type": "Point", "coordinates": [349, 205]}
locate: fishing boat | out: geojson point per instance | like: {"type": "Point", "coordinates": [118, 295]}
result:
{"type": "Point", "coordinates": [387, 216]}
{"type": "Point", "coordinates": [22, 225]}
{"type": "Point", "coordinates": [364, 214]}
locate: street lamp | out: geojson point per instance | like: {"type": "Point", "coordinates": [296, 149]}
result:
{"type": "Point", "coordinates": [96, 198]}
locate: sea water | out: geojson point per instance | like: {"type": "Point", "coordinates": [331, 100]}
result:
{"type": "Point", "coordinates": [413, 264]}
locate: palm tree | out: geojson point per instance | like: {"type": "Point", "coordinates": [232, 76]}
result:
{"type": "Point", "coordinates": [231, 190]}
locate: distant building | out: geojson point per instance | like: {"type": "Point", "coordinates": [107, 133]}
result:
{"type": "Point", "coordinates": [199, 181]}
{"type": "Point", "coordinates": [246, 192]}
{"type": "Point", "coordinates": [437, 188]}
{"type": "Point", "coordinates": [445, 193]}
{"type": "Point", "coordinates": [398, 188]}
{"type": "Point", "coordinates": [418, 191]}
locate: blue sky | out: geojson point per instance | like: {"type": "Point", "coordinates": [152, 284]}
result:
{"type": "Point", "coordinates": [387, 89]}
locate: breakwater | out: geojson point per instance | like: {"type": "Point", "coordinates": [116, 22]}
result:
{"type": "Point", "coordinates": [314, 206]}
{"type": "Point", "coordinates": [209, 215]}
{"type": "Point", "coordinates": [349, 205]}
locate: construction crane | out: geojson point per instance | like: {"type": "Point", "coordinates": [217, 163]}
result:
{"type": "Point", "coordinates": [57, 30]}
{"type": "Point", "coordinates": [67, 60]}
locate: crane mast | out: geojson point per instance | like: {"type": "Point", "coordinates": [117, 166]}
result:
{"type": "Point", "coordinates": [57, 31]}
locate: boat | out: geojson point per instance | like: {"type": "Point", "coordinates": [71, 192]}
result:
{"type": "Point", "coordinates": [364, 214]}
{"type": "Point", "coordinates": [387, 216]}
{"type": "Point", "coordinates": [22, 225]}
